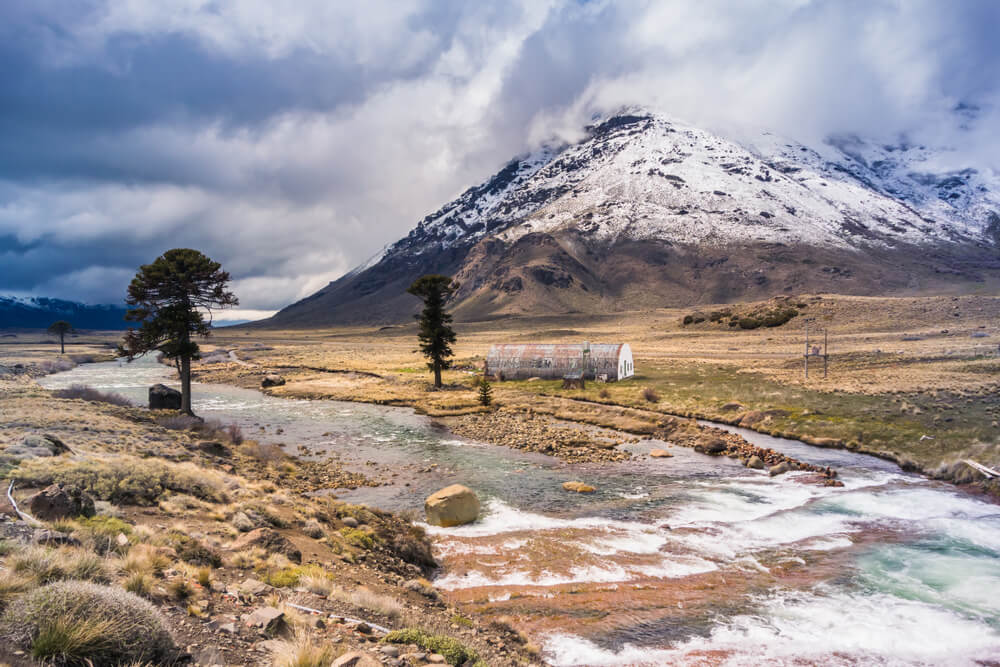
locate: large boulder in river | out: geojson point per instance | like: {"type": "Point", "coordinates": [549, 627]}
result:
{"type": "Point", "coordinates": [578, 487]}
{"type": "Point", "coordinates": [660, 454]}
{"type": "Point", "coordinates": [162, 397]}
{"type": "Point", "coordinates": [57, 502]}
{"type": "Point", "coordinates": [452, 506]}
{"type": "Point", "coordinates": [779, 469]}
{"type": "Point", "coordinates": [713, 446]}
{"type": "Point", "coordinates": [755, 462]}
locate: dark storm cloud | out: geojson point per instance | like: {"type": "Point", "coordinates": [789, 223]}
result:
{"type": "Point", "coordinates": [292, 144]}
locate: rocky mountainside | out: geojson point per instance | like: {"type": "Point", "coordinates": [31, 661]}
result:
{"type": "Point", "coordinates": [646, 212]}
{"type": "Point", "coordinates": [40, 312]}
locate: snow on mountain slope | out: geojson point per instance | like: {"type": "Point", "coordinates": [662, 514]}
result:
{"type": "Point", "coordinates": [634, 213]}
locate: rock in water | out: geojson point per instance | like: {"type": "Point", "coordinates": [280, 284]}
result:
{"type": "Point", "coordinates": [660, 454]}
{"type": "Point", "coordinates": [272, 381]}
{"type": "Point", "coordinates": [56, 502]}
{"type": "Point", "coordinates": [713, 447]}
{"type": "Point", "coordinates": [162, 397]}
{"type": "Point", "coordinates": [755, 462]}
{"type": "Point", "coordinates": [578, 487]}
{"type": "Point", "coordinates": [779, 469]}
{"type": "Point", "coordinates": [452, 506]}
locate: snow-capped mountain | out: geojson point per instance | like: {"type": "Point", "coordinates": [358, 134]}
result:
{"type": "Point", "coordinates": [648, 212]}
{"type": "Point", "coordinates": [40, 312]}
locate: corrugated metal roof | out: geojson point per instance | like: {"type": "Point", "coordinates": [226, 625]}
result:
{"type": "Point", "coordinates": [553, 360]}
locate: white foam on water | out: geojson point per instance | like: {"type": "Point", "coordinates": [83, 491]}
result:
{"type": "Point", "coordinates": [633, 542]}
{"type": "Point", "coordinates": [675, 568]}
{"type": "Point", "coordinates": [633, 496]}
{"type": "Point", "coordinates": [608, 573]}
{"type": "Point", "coordinates": [499, 517]}
{"type": "Point", "coordinates": [914, 504]}
{"type": "Point", "coordinates": [742, 500]}
{"type": "Point", "coordinates": [806, 628]}
{"type": "Point", "coordinates": [827, 544]}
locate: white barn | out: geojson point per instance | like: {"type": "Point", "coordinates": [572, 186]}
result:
{"type": "Point", "coordinates": [592, 361]}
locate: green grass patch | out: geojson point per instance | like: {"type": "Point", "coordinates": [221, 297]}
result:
{"type": "Point", "coordinates": [453, 650]}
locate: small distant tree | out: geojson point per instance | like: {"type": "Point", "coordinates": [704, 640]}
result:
{"type": "Point", "coordinates": [485, 392]}
{"type": "Point", "coordinates": [170, 297]}
{"type": "Point", "coordinates": [61, 328]}
{"type": "Point", "coordinates": [436, 334]}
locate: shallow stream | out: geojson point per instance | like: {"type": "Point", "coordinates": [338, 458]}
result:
{"type": "Point", "coordinates": [685, 560]}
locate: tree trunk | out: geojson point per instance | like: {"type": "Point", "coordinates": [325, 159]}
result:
{"type": "Point", "coordinates": [62, 343]}
{"type": "Point", "coordinates": [437, 373]}
{"type": "Point", "coordinates": [186, 386]}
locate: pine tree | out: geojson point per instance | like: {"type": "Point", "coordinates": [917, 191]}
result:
{"type": "Point", "coordinates": [169, 296]}
{"type": "Point", "coordinates": [436, 334]}
{"type": "Point", "coordinates": [485, 392]}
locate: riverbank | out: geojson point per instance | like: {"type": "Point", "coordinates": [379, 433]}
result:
{"type": "Point", "coordinates": [222, 535]}
{"type": "Point", "coordinates": [911, 380]}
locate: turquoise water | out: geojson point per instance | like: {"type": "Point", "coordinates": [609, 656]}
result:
{"type": "Point", "coordinates": [687, 560]}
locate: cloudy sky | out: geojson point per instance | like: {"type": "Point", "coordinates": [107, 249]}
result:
{"type": "Point", "coordinates": [291, 141]}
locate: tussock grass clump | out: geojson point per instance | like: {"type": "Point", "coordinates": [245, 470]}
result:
{"type": "Point", "coordinates": [650, 396]}
{"type": "Point", "coordinates": [13, 585]}
{"type": "Point", "coordinates": [76, 622]}
{"type": "Point", "coordinates": [86, 393]}
{"type": "Point", "coordinates": [138, 584]}
{"type": "Point", "coordinates": [303, 651]}
{"type": "Point", "coordinates": [124, 479]}
{"type": "Point", "coordinates": [45, 565]}
{"type": "Point", "coordinates": [453, 650]}
{"type": "Point", "coordinates": [365, 598]}
{"type": "Point", "coordinates": [146, 559]}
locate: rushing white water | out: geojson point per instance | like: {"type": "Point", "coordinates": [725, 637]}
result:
{"type": "Point", "coordinates": [686, 560]}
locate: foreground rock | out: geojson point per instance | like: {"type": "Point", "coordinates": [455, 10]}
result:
{"type": "Point", "coordinates": [162, 397]}
{"type": "Point", "coordinates": [578, 487]}
{"type": "Point", "coordinates": [57, 502]}
{"type": "Point", "coordinates": [356, 659]}
{"type": "Point", "coordinates": [660, 454]}
{"type": "Point", "coordinates": [270, 541]}
{"type": "Point", "coordinates": [452, 506]}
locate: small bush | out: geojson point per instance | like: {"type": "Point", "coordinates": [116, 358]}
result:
{"type": "Point", "coordinates": [283, 578]}
{"type": "Point", "coordinates": [650, 395]}
{"type": "Point", "coordinates": [204, 577]}
{"type": "Point", "coordinates": [192, 551]}
{"type": "Point", "coordinates": [180, 589]}
{"type": "Point", "coordinates": [358, 538]}
{"type": "Point", "coordinates": [314, 529]}
{"type": "Point", "coordinates": [749, 323]}
{"type": "Point", "coordinates": [235, 434]}
{"type": "Point", "coordinates": [452, 650]}
{"type": "Point", "coordinates": [86, 393]}
{"type": "Point", "coordinates": [688, 319]}
{"type": "Point", "coordinates": [75, 622]}
{"type": "Point", "coordinates": [102, 533]}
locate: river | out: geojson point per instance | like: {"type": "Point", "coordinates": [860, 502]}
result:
{"type": "Point", "coordinates": [688, 560]}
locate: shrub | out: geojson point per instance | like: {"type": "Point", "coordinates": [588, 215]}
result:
{"type": "Point", "coordinates": [779, 316]}
{"type": "Point", "coordinates": [650, 395]}
{"type": "Point", "coordinates": [452, 650]}
{"type": "Point", "coordinates": [688, 319]}
{"type": "Point", "coordinates": [313, 529]}
{"type": "Point", "coordinates": [235, 434]}
{"type": "Point", "coordinates": [283, 578]}
{"type": "Point", "coordinates": [749, 323]}
{"type": "Point", "coordinates": [77, 622]}
{"type": "Point", "coordinates": [358, 538]}
{"type": "Point", "coordinates": [125, 479]}
{"type": "Point", "coordinates": [86, 393]}
{"type": "Point", "coordinates": [604, 393]}
{"type": "Point", "coordinates": [102, 532]}
{"type": "Point", "coordinates": [192, 551]}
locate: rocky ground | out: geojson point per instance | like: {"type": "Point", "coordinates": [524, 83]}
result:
{"type": "Point", "coordinates": [218, 534]}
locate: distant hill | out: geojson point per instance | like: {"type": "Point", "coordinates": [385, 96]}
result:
{"type": "Point", "coordinates": [646, 212]}
{"type": "Point", "coordinates": [40, 312]}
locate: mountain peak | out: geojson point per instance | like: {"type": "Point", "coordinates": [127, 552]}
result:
{"type": "Point", "coordinates": [638, 212]}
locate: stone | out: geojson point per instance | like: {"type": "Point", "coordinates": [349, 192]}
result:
{"type": "Point", "coordinates": [270, 541]}
{"type": "Point", "coordinates": [660, 454]}
{"type": "Point", "coordinates": [363, 628]}
{"type": "Point", "coordinates": [56, 502]}
{"type": "Point", "coordinates": [121, 540]}
{"type": "Point", "coordinates": [350, 522]}
{"type": "Point", "coordinates": [712, 447]}
{"type": "Point", "coordinates": [454, 505]}
{"type": "Point", "coordinates": [578, 487]}
{"type": "Point", "coordinates": [268, 619]}
{"type": "Point", "coordinates": [779, 469]}
{"type": "Point", "coordinates": [356, 659]}
{"type": "Point", "coordinates": [34, 446]}
{"type": "Point", "coordinates": [732, 407]}
{"type": "Point", "coordinates": [51, 537]}
{"type": "Point", "coordinates": [252, 588]}
{"type": "Point", "coordinates": [755, 462]}
{"type": "Point", "coordinates": [162, 397]}
{"type": "Point", "coordinates": [436, 659]}
{"type": "Point", "coordinates": [272, 381]}
{"type": "Point", "coordinates": [390, 650]}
